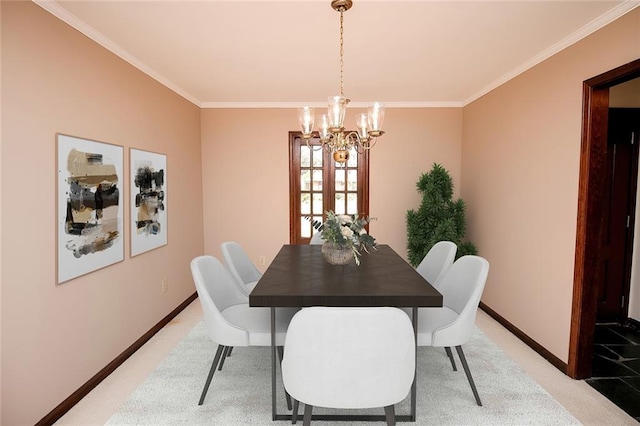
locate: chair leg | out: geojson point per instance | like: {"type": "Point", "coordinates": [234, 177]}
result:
{"type": "Point", "coordinates": [286, 394]}
{"type": "Point", "coordinates": [450, 355]}
{"type": "Point", "coordinates": [306, 421]}
{"type": "Point", "coordinates": [390, 414]}
{"type": "Point", "coordinates": [211, 371]}
{"type": "Point", "coordinates": [225, 354]}
{"type": "Point", "coordinates": [468, 373]}
{"type": "Point", "coordinates": [294, 414]}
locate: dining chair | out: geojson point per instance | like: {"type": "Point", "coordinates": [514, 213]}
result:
{"type": "Point", "coordinates": [316, 238]}
{"type": "Point", "coordinates": [453, 323]}
{"type": "Point", "coordinates": [244, 272]}
{"type": "Point", "coordinates": [436, 262]}
{"type": "Point", "coordinates": [433, 266]}
{"type": "Point", "coordinates": [229, 320]}
{"type": "Point", "coordinates": [349, 358]}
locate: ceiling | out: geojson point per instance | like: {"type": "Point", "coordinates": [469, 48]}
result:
{"type": "Point", "coordinates": [285, 53]}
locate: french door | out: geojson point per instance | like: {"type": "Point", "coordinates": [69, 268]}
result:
{"type": "Point", "coordinates": [317, 183]}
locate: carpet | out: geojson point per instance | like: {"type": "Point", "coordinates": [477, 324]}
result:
{"type": "Point", "coordinates": [240, 394]}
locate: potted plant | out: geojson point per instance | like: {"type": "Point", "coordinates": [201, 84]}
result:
{"type": "Point", "coordinates": [439, 218]}
{"type": "Point", "coordinates": [345, 237]}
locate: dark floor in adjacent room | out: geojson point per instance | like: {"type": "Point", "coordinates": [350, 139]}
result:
{"type": "Point", "coordinates": [616, 366]}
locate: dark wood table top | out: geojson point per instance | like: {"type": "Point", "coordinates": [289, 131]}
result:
{"type": "Point", "coordinates": [300, 277]}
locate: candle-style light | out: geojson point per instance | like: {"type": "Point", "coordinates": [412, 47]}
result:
{"type": "Point", "coordinates": [305, 116]}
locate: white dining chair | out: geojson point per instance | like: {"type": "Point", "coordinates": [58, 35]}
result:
{"type": "Point", "coordinates": [229, 320]}
{"type": "Point", "coordinates": [244, 272]}
{"type": "Point", "coordinates": [453, 323]}
{"type": "Point", "coordinates": [435, 263]}
{"type": "Point", "coordinates": [349, 358]}
{"type": "Point", "coordinates": [432, 268]}
{"type": "Point", "coordinates": [316, 238]}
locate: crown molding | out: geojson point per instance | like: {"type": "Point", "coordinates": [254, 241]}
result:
{"type": "Point", "coordinates": [603, 20]}
{"type": "Point", "coordinates": [64, 15]}
{"type": "Point", "coordinates": [294, 105]}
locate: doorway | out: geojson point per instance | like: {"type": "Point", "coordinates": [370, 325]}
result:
{"type": "Point", "coordinates": [617, 228]}
{"type": "Point", "coordinates": [592, 192]}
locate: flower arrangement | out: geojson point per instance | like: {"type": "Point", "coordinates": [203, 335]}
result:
{"type": "Point", "coordinates": [347, 231]}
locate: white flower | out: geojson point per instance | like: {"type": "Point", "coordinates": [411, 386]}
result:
{"type": "Point", "coordinates": [344, 219]}
{"type": "Point", "coordinates": [363, 231]}
{"type": "Point", "coordinates": [346, 231]}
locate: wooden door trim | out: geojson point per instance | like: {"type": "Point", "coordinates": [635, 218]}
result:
{"type": "Point", "coordinates": [294, 183]}
{"type": "Point", "coordinates": [590, 202]}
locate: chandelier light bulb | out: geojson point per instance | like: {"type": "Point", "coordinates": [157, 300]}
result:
{"type": "Point", "coordinates": [376, 116]}
{"type": "Point", "coordinates": [323, 126]}
{"type": "Point", "coordinates": [337, 108]}
{"type": "Point", "coordinates": [362, 123]}
{"type": "Point", "coordinates": [305, 117]}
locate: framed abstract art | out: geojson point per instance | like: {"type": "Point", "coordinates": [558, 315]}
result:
{"type": "Point", "coordinates": [89, 206]}
{"type": "Point", "coordinates": [148, 200]}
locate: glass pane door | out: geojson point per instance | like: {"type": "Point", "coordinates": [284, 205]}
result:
{"type": "Point", "coordinates": [318, 183]}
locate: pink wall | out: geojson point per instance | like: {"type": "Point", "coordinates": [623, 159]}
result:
{"type": "Point", "coordinates": [520, 162]}
{"type": "Point", "coordinates": [415, 139]}
{"type": "Point", "coordinates": [56, 337]}
{"type": "Point", "coordinates": [245, 163]}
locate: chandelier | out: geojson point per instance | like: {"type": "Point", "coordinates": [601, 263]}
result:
{"type": "Point", "coordinates": [330, 126]}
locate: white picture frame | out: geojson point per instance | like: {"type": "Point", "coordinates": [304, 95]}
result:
{"type": "Point", "coordinates": [148, 200]}
{"type": "Point", "coordinates": [89, 211]}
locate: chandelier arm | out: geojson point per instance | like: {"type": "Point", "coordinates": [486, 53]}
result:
{"type": "Point", "coordinates": [353, 140]}
{"type": "Point", "coordinates": [360, 148]}
{"type": "Point", "coordinates": [371, 144]}
{"type": "Point", "coordinates": [314, 147]}
{"type": "Point", "coordinates": [357, 143]}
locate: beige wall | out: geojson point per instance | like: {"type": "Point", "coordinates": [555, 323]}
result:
{"type": "Point", "coordinates": [520, 162]}
{"type": "Point", "coordinates": [245, 162]}
{"type": "Point", "coordinates": [56, 337]}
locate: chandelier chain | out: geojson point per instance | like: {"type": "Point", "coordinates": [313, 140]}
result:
{"type": "Point", "coordinates": [341, 53]}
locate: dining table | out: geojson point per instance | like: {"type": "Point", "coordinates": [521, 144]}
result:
{"type": "Point", "coordinates": [299, 276]}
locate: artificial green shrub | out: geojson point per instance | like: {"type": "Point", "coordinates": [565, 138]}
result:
{"type": "Point", "coordinates": [438, 218]}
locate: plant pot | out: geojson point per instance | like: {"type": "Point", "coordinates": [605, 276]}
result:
{"type": "Point", "coordinates": [337, 255]}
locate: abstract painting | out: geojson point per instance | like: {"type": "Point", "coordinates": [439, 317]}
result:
{"type": "Point", "coordinates": [148, 200]}
{"type": "Point", "coordinates": [90, 213]}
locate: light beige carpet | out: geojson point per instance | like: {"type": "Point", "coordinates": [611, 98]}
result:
{"type": "Point", "coordinates": [240, 394]}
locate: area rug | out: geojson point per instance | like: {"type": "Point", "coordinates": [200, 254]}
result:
{"type": "Point", "coordinates": [240, 394]}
